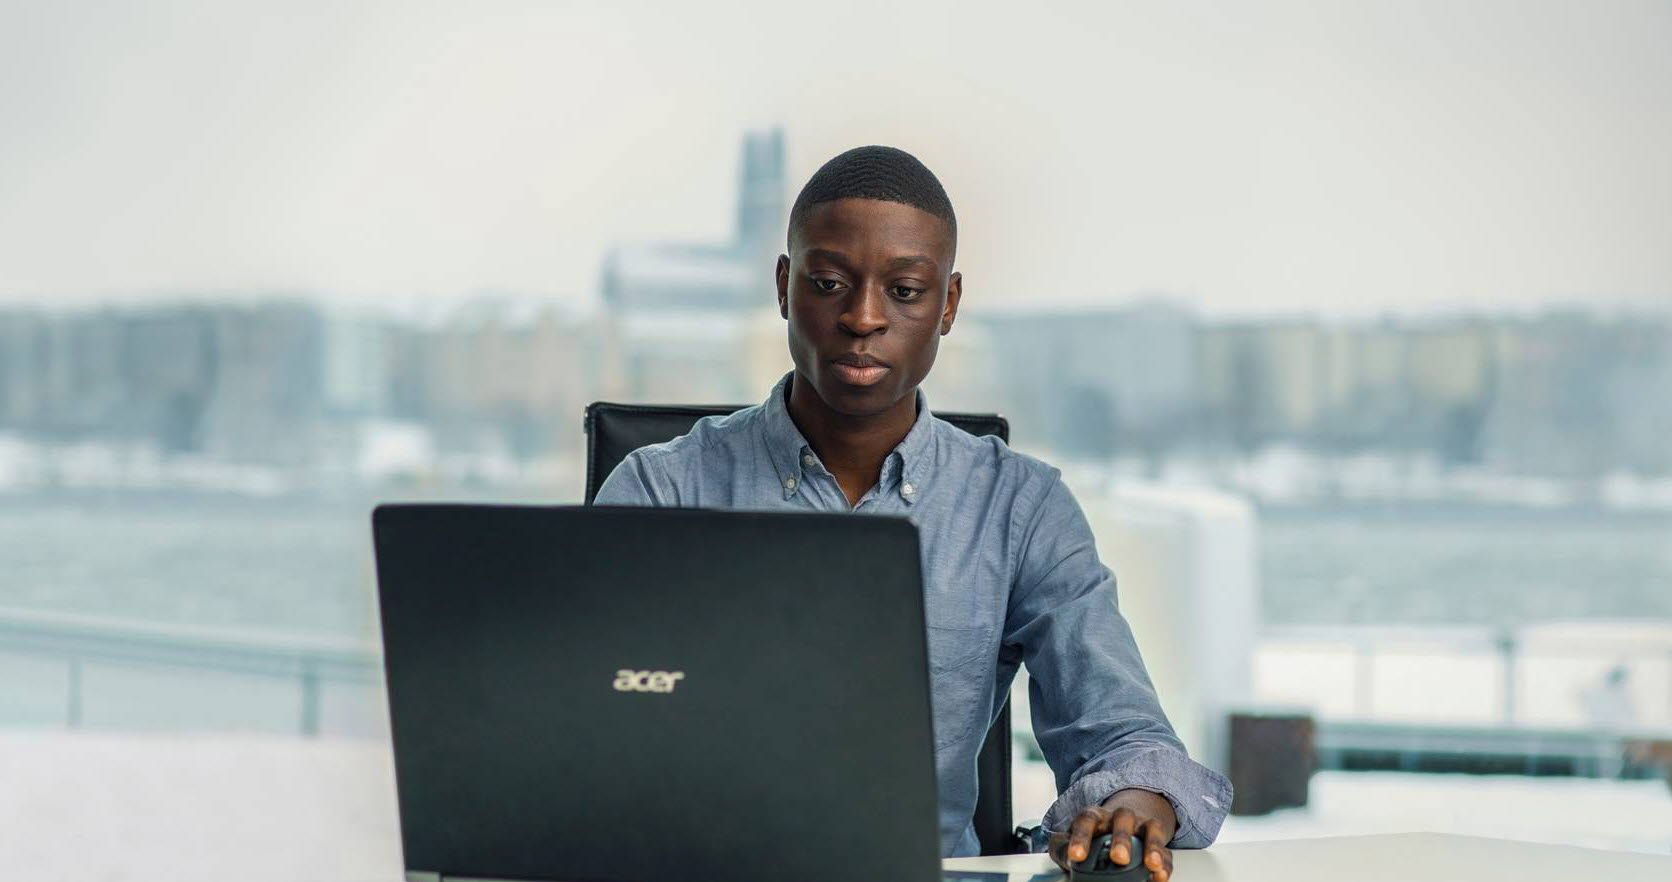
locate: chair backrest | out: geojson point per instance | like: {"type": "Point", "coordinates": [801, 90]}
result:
{"type": "Point", "coordinates": [615, 430]}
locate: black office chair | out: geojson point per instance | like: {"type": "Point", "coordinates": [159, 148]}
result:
{"type": "Point", "coordinates": [615, 430]}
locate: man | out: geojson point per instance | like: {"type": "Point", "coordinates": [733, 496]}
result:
{"type": "Point", "coordinates": [1010, 572]}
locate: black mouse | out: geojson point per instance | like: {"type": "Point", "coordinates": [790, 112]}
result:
{"type": "Point", "coordinates": [1099, 864]}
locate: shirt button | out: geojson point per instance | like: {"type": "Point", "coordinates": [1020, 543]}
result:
{"type": "Point", "coordinates": [789, 483]}
{"type": "Point", "coordinates": [808, 460]}
{"type": "Point", "coordinates": [908, 489]}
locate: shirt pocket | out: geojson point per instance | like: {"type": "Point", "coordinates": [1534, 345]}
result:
{"type": "Point", "coordinates": [960, 685]}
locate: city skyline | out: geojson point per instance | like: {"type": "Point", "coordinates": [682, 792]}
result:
{"type": "Point", "coordinates": [289, 384]}
{"type": "Point", "coordinates": [1420, 158]}
{"type": "Point", "coordinates": [333, 391]}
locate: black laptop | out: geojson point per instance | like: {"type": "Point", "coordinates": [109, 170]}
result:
{"type": "Point", "coordinates": [598, 694]}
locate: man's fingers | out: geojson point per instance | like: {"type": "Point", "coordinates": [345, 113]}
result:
{"type": "Point", "coordinates": [1086, 824]}
{"type": "Point", "coordinates": [1157, 858]}
{"type": "Point", "coordinates": [1122, 826]}
{"type": "Point", "coordinates": [1166, 870]}
{"type": "Point", "coordinates": [1150, 834]}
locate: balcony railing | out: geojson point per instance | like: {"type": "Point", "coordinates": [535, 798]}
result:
{"type": "Point", "coordinates": [1561, 699]}
{"type": "Point", "coordinates": [76, 671]}
{"type": "Point", "coordinates": [1446, 698]}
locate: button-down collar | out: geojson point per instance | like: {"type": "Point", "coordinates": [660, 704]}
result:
{"type": "Point", "coordinates": [792, 455]}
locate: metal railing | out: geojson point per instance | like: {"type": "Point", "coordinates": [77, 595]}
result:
{"type": "Point", "coordinates": [80, 671]}
{"type": "Point", "coordinates": [86, 645]}
{"type": "Point", "coordinates": [1361, 726]}
{"type": "Point", "coordinates": [1645, 648]}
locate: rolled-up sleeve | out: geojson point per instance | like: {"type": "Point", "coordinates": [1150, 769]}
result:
{"type": "Point", "coordinates": [1095, 712]}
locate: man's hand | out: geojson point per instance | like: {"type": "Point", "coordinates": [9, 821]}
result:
{"type": "Point", "coordinates": [1149, 816]}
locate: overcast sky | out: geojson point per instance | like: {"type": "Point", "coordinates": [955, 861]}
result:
{"type": "Point", "coordinates": [1256, 158]}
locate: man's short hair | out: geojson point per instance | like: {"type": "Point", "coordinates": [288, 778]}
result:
{"type": "Point", "coordinates": [876, 172]}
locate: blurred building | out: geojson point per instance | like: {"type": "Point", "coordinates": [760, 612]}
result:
{"type": "Point", "coordinates": [1094, 382]}
{"type": "Point", "coordinates": [1242, 367]}
{"type": "Point", "coordinates": [1574, 395]}
{"type": "Point", "coordinates": [504, 381]}
{"type": "Point", "coordinates": [357, 364]}
{"type": "Point", "coordinates": [679, 317]}
{"type": "Point", "coordinates": [266, 385]}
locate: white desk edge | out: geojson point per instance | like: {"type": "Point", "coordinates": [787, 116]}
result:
{"type": "Point", "coordinates": [1416, 857]}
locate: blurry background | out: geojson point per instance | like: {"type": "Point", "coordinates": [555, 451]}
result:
{"type": "Point", "coordinates": [1350, 325]}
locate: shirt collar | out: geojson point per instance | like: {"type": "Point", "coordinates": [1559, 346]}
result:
{"type": "Point", "coordinates": [790, 451]}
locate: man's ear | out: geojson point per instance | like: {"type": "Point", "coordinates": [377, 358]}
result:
{"type": "Point", "coordinates": [783, 274]}
{"type": "Point", "coordinates": [954, 291]}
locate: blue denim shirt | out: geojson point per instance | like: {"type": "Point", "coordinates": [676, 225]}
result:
{"type": "Point", "coordinates": [1010, 577]}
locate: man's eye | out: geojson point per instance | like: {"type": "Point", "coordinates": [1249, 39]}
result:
{"type": "Point", "coordinates": [827, 284]}
{"type": "Point", "coordinates": [905, 293]}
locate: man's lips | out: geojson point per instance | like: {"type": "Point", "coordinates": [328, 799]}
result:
{"type": "Point", "coordinates": [860, 359]}
{"type": "Point", "coordinates": [859, 370]}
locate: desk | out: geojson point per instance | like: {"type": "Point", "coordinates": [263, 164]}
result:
{"type": "Point", "coordinates": [1402, 857]}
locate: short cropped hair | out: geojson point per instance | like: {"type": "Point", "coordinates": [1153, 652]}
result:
{"type": "Point", "coordinates": [875, 172]}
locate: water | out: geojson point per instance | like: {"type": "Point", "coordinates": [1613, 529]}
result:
{"type": "Point", "coordinates": [212, 562]}
{"type": "Point", "coordinates": [305, 566]}
{"type": "Point", "coordinates": [1463, 566]}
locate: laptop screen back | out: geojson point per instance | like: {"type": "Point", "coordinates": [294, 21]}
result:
{"type": "Point", "coordinates": [634, 693]}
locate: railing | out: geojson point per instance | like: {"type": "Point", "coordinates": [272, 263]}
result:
{"type": "Point", "coordinates": [1574, 699]}
{"type": "Point", "coordinates": [1550, 675]}
{"type": "Point", "coordinates": [116, 673]}
{"type": "Point", "coordinates": [1409, 698]}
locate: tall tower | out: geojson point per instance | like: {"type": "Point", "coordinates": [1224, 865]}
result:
{"type": "Point", "coordinates": [761, 213]}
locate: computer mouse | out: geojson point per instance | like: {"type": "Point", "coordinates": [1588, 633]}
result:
{"type": "Point", "coordinates": [1099, 864]}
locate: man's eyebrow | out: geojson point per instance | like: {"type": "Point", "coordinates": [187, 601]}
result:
{"type": "Point", "coordinates": [907, 260]}
{"type": "Point", "coordinates": [827, 254]}
{"type": "Point", "coordinates": [913, 260]}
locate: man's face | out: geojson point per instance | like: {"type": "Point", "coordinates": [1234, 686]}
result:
{"type": "Point", "coordinates": [868, 289]}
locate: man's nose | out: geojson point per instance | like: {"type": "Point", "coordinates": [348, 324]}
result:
{"type": "Point", "coordinates": [865, 311]}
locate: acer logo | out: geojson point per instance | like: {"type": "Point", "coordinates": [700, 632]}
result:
{"type": "Point", "coordinates": [647, 681]}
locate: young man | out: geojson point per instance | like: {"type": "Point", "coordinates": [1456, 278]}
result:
{"type": "Point", "coordinates": [1010, 573]}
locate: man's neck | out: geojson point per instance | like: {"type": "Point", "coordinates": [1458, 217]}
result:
{"type": "Point", "coordinates": [853, 448]}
